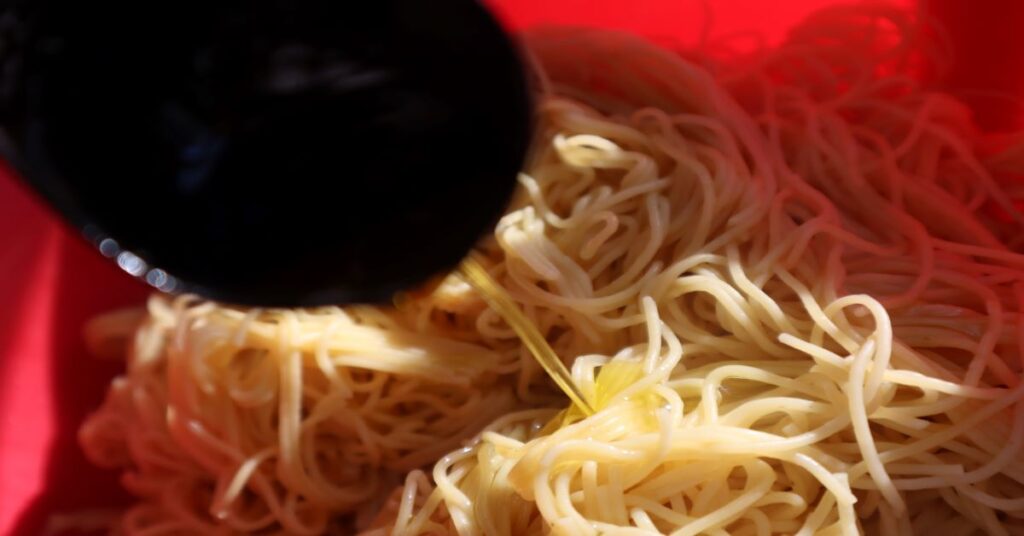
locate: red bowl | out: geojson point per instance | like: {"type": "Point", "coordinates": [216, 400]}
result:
{"type": "Point", "coordinates": [51, 282]}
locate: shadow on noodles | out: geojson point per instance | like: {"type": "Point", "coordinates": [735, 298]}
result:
{"type": "Point", "coordinates": [788, 281]}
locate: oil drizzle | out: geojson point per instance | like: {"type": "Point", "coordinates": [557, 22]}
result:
{"type": "Point", "coordinates": [495, 296]}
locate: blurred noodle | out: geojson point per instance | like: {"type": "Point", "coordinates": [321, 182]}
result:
{"type": "Point", "coordinates": [787, 281]}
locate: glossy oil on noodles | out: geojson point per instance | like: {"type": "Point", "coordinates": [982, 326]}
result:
{"type": "Point", "coordinates": [787, 281]}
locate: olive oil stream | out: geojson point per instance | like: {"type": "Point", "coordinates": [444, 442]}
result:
{"type": "Point", "coordinates": [495, 296]}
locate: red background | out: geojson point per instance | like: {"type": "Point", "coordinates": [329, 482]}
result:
{"type": "Point", "coordinates": [50, 282]}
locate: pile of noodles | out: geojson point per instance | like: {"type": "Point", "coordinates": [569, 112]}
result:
{"type": "Point", "coordinates": [786, 280]}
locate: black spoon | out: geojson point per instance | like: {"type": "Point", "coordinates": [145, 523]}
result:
{"type": "Point", "coordinates": [262, 152]}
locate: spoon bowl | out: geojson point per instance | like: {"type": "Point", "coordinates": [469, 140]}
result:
{"type": "Point", "coordinates": [268, 153]}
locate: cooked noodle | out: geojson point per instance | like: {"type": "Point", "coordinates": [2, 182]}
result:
{"type": "Point", "coordinates": [786, 282]}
